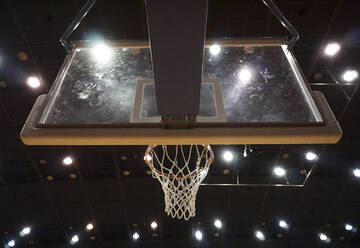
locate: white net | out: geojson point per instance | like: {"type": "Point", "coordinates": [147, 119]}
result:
{"type": "Point", "coordinates": [180, 169]}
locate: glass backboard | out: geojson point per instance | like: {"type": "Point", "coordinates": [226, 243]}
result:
{"type": "Point", "coordinates": [245, 83]}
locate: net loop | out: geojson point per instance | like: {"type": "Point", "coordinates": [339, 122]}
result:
{"type": "Point", "coordinates": [180, 169]}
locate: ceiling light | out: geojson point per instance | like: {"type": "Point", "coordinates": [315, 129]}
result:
{"type": "Point", "coordinates": [126, 173]}
{"type": "Point", "coordinates": [89, 226]}
{"type": "Point", "coordinates": [33, 82]}
{"type": "Point", "coordinates": [11, 243]}
{"type": "Point", "coordinates": [244, 75]}
{"type": "Point", "coordinates": [74, 239]}
{"type": "Point", "coordinates": [218, 224]}
{"type": "Point", "coordinates": [67, 160]}
{"type": "Point", "coordinates": [215, 49]}
{"type": "Point", "coordinates": [23, 56]}
{"type": "Point", "coordinates": [356, 172]}
{"type": "Point", "coordinates": [350, 75]}
{"type": "Point", "coordinates": [259, 235]}
{"type": "Point", "coordinates": [25, 231]}
{"type": "Point", "coordinates": [226, 172]}
{"type": "Point", "coordinates": [332, 49]}
{"type": "Point", "coordinates": [135, 236]}
{"type": "Point", "coordinates": [349, 227]}
{"type": "Point", "coordinates": [198, 235]}
{"type": "Point", "coordinates": [153, 225]}
{"type": "Point", "coordinates": [324, 237]}
{"type": "Point", "coordinates": [102, 53]}
{"type": "Point", "coordinates": [49, 178]}
{"type": "Point", "coordinates": [279, 171]}
{"type": "Point", "coordinates": [123, 157]}
{"type": "Point", "coordinates": [310, 156]}
{"type": "Point", "coordinates": [228, 156]}
{"type": "Point", "coordinates": [283, 224]}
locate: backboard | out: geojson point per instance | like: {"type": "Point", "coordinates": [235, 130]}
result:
{"type": "Point", "coordinates": [252, 92]}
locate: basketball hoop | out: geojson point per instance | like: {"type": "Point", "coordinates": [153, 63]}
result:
{"type": "Point", "coordinates": [180, 169]}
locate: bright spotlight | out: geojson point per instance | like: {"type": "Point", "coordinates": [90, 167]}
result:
{"type": "Point", "coordinates": [332, 49]}
{"type": "Point", "coordinates": [198, 235]}
{"type": "Point", "coordinates": [279, 171]}
{"type": "Point", "coordinates": [356, 172]}
{"type": "Point", "coordinates": [215, 49]}
{"type": "Point", "coordinates": [102, 53]}
{"type": "Point", "coordinates": [33, 82]}
{"type": "Point", "coordinates": [350, 75]}
{"type": "Point", "coordinates": [228, 156]}
{"type": "Point", "coordinates": [324, 237]}
{"type": "Point", "coordinates": [74, 239]}
{"type": "Point", "coordinates": [218, 224]}
{"type": "Point", "coordinates": [11, 243]}
{"type": "Point", "coordinates": [259, 235]}
{"type": "Point", "coordinates": [153, 225]}
{"type": "Point", "coordinates": [311, 156]}
{"type": "Point", "coordinates": [25, 231]}
{"type": "Point", "coordinates": [67, 160]}
{"type": "Point", "coordinates": [89, 226]}
{"type": "Point", "coordinates": [283, 224]}
{"type": "Point", "coordinates": [244, 75]}
{"type": "Point", "coordinates": [349, 227]}
{"type": "Point", "coordinates": [135, 236]}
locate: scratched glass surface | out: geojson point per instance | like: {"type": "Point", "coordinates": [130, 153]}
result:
{"type": "Point", "coordinates": [257, 85]}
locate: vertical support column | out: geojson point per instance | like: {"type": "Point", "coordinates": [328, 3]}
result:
{"type": "Point", "coordinates": [177, 32]}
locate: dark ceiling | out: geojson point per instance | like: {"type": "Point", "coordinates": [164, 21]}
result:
{"type": "Point", "coordinates": [120, 204]}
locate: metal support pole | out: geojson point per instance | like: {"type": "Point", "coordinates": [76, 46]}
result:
{"type": "Point", "coordinates": [75, 23]}
{"type": "Point", "coordinates": [285, 22]}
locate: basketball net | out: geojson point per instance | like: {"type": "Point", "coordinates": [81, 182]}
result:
{"type": "Point", "coordinates": [180, 169]}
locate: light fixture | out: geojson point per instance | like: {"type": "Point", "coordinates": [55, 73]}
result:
{"type": "Point", "coordinates": [356, 172]}
{"type": "Point", "coordinates": [67, 160]}
{"type": "Point", "coordinates": [126, 173]}
{"type": "Point", "coordinates": [244, 75]}
{"type": "Point", "coordinates": [226, 172]}
{"type": "Point", "coordinates": [259, 235]}
{"type": "Point", "coordinates": [74, 239]}
{"type": "Point", "coordinates": [279, 171]}
{"type": "Point", "coordinates": [25, 231]}
{"type": "Point", "coordinates": [218, 224]}
{"type": "Point", "coordinates": [198, 235]}
{"type": "Point", "coordinates": [350, 75]}
{"type": "Point", "coordinates": [33, 82]}
{"type": "Point", "coordinates": [324, 237]}
{"type": "Point", "coordinates": [135, 236]}
{"type": "Point", "coordinates": [228, 156]}
{"type": "Point", "coordinates": [350, 228]}
{"type": "Point", "coordinates": [215, 49]}
{"type": "Point", "coordinates": [101, 53]}
{"type": "Point", "coordinates": [148, 157]}
{"type": "Point", "coordinates": [310, 156]}
{"type": "Point", "coordinates": [283, 224]}
{"type": "Point", "coordinates": [89, 226]}
{"type": "Point", "coordinates": [153, 225]}
{"type": "Point", "coordinates": [11, 243]}
{"type": "Point", "coordinates": [49, 178]}
{"type": "Point", "coordinates": [332, 49]}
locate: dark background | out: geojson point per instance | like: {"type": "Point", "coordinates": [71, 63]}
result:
{"type": "Point", "coordinates": [120, 205]}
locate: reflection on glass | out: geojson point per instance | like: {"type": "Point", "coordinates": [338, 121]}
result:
{"type": "Point", "coordinates": [244, 76]}
{"type": "Point", "coordinates": [215, 49]}
{"type": "Point", "coordinates": [102, 53]}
